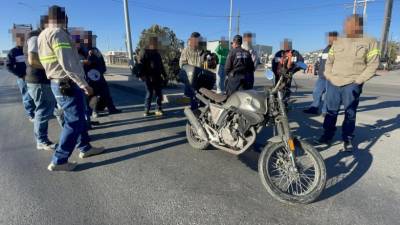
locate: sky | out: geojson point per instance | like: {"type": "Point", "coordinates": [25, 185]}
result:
{"type": "Point", "coordinates": [305, 22]}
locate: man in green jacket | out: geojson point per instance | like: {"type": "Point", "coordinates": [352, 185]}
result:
{"type": "Point", "coordinates": [222, 52]}
{"type": "Point", "coordinates": [352, 60]}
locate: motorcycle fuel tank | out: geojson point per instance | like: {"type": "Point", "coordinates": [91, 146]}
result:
{"type": "Point", "coordinates": [249, 100]}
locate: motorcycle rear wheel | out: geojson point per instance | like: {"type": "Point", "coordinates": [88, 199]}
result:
{"type": "Point", "coordinates": [286, 185]}
{"type": "Point", "coordinates": [194, 140]}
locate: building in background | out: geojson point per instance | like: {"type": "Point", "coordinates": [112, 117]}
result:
{"type": "Point", "coordinates": [116, 58]}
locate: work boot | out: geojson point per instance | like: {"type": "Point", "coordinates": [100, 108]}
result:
{"type": "Point", "coordinates": [91, 152]}
{"type": "Point", "coordinates": [69, 166]}
{"type": "Point", "coordinates": [47, 146]}
{"type": "Point", "coordinates": [146, 113]}
{"type": "Point", "coordinates": [311, 110]}
{"type": "Point", "coordinates": [347, 146]}
{"type": "Point", "coordinates": [95, 115]}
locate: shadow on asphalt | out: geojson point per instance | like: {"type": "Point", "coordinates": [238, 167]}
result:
{"type": "Point", "coordinates": [343, 169]}
{"type": "Point", "coordinates": [170, 145]}
{"type": "Point", "coordinates": [137, 130]}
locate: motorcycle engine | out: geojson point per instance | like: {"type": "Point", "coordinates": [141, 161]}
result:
{"type": "Point", "coordinates": [230, 134]}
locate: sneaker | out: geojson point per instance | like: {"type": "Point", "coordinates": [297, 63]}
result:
{"type": "Point", "coordinates": [159, 112]}
{"type": "Point", "coordinates": [114, 111]}
{"type": "Point", "coordinates": [47, 146]}
{"type": "Point", "coordinates": [347, 146]}
{"type": "Point", "coordinates": [311, 110]}
{"type": "Point", "coordinates": [324, 140]}
{"type": "Point", "coordinates": [31, 119]}
{"type": "Point", "coordinates": [93, 151]}
{"type": "Point", "coordinates": [95, 115]}
{"type": "Point", "coordinates": [146, 114]}
{"type": "Point", "coordinates": [69, 166]}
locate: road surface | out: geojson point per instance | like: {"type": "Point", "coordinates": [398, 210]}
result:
{"type": "Point", "coordinates": [150, 175]}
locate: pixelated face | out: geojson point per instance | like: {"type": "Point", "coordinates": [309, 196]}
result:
{"type": "Point", "coordinates": [353, 27]}
{"type": "Point", "coordinates": [58, 16]}
{"type": "Point", "coordinates": [331, 39]}
{"type": "Point", "coordinates": [194, 42]}
{"type": "Point", "coordinates": [20, 40]}
{"type": "Point", "coordinates": [224, 43]}
{"type": "Point", "coordinates": [286, 45]}
{"type": "Point", "coordinates": [248, 39]}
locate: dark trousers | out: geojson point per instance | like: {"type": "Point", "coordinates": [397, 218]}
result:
{"type": "Point", "coordinates": [239, 82]}
{"type": "Point", "coordinates": [349, 96]}
{"type": "Point", "coordinates": [152, 87]}
{"type": "Point", "coordinates": [102, 90]}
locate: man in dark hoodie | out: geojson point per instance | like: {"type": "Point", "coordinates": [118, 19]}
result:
{"type": "Point", "coordinates": [16, 65]}
{"type": "Point", "coordinates": [153, 73]}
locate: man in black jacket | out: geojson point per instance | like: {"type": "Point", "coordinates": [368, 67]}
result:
{"type": "Point", "coordinates": [16, 65]}
{"type": "Point", "coordinates": [239, 68]}
{"type": "Point", "coordinates": [152, 73]}
{"type": "Point", "coordinates": [95, 67]}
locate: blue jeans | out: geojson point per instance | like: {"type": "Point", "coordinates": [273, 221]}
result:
{"type": "Point", "coordinates": [220, 78]}
{"type": "Point", "coordinates": [318, 92]}
{"type": "Point", "coordinates": [349, 96]}
{"type": "Point", "coordinates": [45, 104]}
{"type": "Point", "coordinates": [74, 133]}
{"type": "Point", "coordinates": [189, 90]}
{"type": "Point", "coordinates": [29, 104]}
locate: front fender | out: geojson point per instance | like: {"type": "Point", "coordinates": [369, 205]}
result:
{"type": "Point", "coordinates": [275, 139]}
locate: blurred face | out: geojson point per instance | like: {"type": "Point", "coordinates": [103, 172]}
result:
{"type": "Point", "coordinates": [353, 28]}
{"type": "Point", "coordinates": [287, 45]}
{"type": "Point", "coordinates": [224, 43]}
{"type": "Point", "coordinates": [19, 41]}
{"type": "Point", "coordinates": [194, 42]}
{"type": "Point", "coordinates": [248, 39]}
{"type": "Point", "coordinates": [331, 39]}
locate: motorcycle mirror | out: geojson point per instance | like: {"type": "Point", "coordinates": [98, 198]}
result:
{"type": "Point", "coordinates": [301, 65]}
{"type": "Point", "coordinates": [269, 74]}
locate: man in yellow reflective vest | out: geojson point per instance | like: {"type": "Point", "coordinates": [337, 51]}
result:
{"type": "Point", "coordinates": [60, 59]}
{"type": "Point", "coordinates": [352, 60]}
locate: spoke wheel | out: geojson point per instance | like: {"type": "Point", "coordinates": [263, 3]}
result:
{"type": "Point", "coordinates": [301, 183]}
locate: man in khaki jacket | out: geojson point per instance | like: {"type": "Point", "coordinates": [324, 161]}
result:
{"type": "Point", "coordinates": [60, 60]}
{"type": "Point", "coordinates": [352, 61]}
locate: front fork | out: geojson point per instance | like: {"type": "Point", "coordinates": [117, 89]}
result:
{"type": "Point", "coordinates": [283, 129]}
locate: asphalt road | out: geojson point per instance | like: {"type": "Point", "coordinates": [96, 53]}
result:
{"type": "Point", "coordinates": [150, 175]}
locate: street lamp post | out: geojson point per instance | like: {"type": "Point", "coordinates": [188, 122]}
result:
{"type": "Point", "coordinates": [128, 35]}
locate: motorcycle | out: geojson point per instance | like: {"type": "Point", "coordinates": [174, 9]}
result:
{"type": "Point", "coordinates": [290, 169]}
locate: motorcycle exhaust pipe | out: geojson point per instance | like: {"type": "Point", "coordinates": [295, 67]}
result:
{"type": "Point", "coordinates": [195, 123]}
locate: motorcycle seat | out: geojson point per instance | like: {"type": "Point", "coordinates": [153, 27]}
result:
{"type": "Point", "coordinates": [218, 98]}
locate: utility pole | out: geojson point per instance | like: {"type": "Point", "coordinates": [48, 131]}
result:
{"type": "Point", "coordinates": [385, 28]}
{"type": "Point", "coordinates": [230, 23]}
{"type": "Point", "coordinates": [355, 7]}
{"type": "Point", "coordinates": [128, 37]}
{"type": "Point", "coordinates": [238, 23]}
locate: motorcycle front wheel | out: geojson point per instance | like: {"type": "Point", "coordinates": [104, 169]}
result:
{"type": "Point", "coordinates": [300, 185]}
